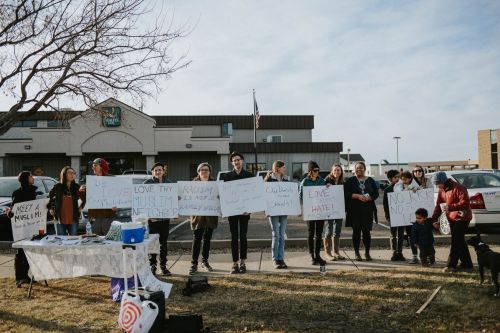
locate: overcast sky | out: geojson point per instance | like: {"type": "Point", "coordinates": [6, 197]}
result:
{"type": "Point", "coordinates": [428, 71]}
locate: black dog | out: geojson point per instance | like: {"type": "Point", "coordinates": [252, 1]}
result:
{"type": "Point", "coordinates": [486, 258]}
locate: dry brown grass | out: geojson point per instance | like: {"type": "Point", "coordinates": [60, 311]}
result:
{"type": "Point", "coordinates": [353, 301]}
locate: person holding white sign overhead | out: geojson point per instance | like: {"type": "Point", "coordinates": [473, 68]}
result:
{"type": "Point", "coordinates": [361, 192]}
{"type": "Point", "coordinates": [101, 218]}
{"type": "Point", "coordinates": [202, 226]}
{"type": "Point", "coordinates": [26, 192]}
{"type": "Point", "coordinates": [314, 227]}
{"type": "Point", "coordinates": [238, 224]}
{"type": "Point", "coordinates": [159, 226]}
{"type": "Point", "coordinates": [278, 223]}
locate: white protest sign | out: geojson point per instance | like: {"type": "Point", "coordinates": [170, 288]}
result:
{"type": "Point", "coordinates": [323, 203]}
{"type": "Point", "coordinates": [242, 196]}
{"type": "Point", "coordinates": [402, 205]}
{"type": "Point", "coordinates": [107, 192]}
{"type": "Point", "coordinates": [199, 198]}
{"type": "Point", "coordinates": [157, 200]}
{"type": "Point", "coordinates": [282, 198]}
{"type": "Point", "coordinates": [29, 217]}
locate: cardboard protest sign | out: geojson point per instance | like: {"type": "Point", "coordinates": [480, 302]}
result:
{"type": "Point", "coordinates": [402, 205]}
{"type": "Point", "coordinates": [29, 217]}
{"type": "Point", "coordinates": [199, 198]}
{"type": "Point", "coordinates": [282, 198]}
{"type": "Point", "coordinates": [155, 200]}
{"type": "Point", "coordinates": [323, 203]}
{"type": "Point", "coordinates": [242, 196]}
{"type": "Point", "coordinates": [108, 192]}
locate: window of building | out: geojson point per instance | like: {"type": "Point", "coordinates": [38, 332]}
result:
{"type": "Point", "coordinates": [26, 123]}
{"type": "Point", "coordinates": [493, 136]}
{"type": "Point", "coordinates": [252, 168]}
{"type": "Point", "coordinates": [55, 123]}
{"type": "Point", "coordinates": [227, 129]}
{"type": "Point", "coordinates": [298, 169]}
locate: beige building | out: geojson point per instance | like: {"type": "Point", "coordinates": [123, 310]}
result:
{"type": "Point", "coordinates": [131, 139]}
{"type": "Point", "coordinates": [487, 141]}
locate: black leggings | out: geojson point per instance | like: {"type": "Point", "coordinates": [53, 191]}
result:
{"type": "Point", "coordinates": [238, 225]}
{"type": "Point", "coordinates": [315, 228]}
{"type": "Point", "coordinates": [356, 238]}
{"type": "Point", "coordinates": [204, 234]}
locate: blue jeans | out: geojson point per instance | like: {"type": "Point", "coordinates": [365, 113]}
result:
{"type": "Point", "coordinates": [278, 226]}
{"type": "Point", "coordinates": [66, 229]}
{"type": "Point", "coordinates": [329, 230]}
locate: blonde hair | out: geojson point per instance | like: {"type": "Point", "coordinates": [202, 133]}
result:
{"type": "Point", "coordinates": [278, 164]}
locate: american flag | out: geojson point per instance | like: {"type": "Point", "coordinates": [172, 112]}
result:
{"type": "Point", "coordinates": [257, 114]}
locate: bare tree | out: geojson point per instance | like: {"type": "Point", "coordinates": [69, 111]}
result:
{"type": "Point", "coordinates": [84, 50]}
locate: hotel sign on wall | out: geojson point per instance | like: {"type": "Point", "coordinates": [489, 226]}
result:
{"type": "Point", "coordinates": [112, 116]}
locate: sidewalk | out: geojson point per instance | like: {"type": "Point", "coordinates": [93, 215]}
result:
{"type": "Point", "coordinates": [260, 261]}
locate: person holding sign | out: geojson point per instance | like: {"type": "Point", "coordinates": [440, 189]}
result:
{"type": "Point", "coordinates": [336, 177]}
{"type": "Point", "coordinates": [455, 200]}
{"type": "Point", "coordinates": [159, 226]}
{"type": "Point", "coordinates": [397, 233]}
{"type": "Point", "coordinates": [314, 227]}
{"type": "Point", "coordinates": [238, 221]}
{"type": "Point", "coordinates": [26, 192]}
{"type": "Point", "coordinates": [278, 223]}
{"type": "Point", "coordinates": [63, 204]}
{"type": "Point", "coordinates": [361, 192]}
{"type": "Point", "coordinates": [101, 218]}
{"type": "Point", "coordinates": [202, 226]}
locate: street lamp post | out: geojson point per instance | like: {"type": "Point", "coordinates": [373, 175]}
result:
{"type": "Point", "coordinates": [348, 160]}
{"type": "Point", "coordinates": [397, 138]}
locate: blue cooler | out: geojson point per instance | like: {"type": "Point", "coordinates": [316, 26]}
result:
{"type": "Point", "coordinates": [132, 233]}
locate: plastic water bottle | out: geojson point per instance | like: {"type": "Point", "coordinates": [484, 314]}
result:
{"type": "Point", "coordinates": [322, 270]}
{"type": "Point", "coordinates": [88, 228]}
{"type": "Point", "coordinates": [146, 230]}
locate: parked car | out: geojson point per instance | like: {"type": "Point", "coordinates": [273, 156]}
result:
{"type": "Point", "coordinates": [7, 186]}
{"type": "Point", "coordinates": [484, 194]}
{"type": "Point", "coordinates": [383, 183]}
{"type": "Point", "coordinates": [123, 214]}
{"type": "Point", "coordinates": [489, 170]}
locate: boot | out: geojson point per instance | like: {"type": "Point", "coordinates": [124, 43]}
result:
{"type": "Point", "coordinates": [328, 249]}
{"type": "Point", "coordinates": [336, 248]}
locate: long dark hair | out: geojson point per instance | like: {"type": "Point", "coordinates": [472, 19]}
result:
{"type": "Point", "coordinates": [63, 176]}
{"type": "Point", "coordinates": [23, 178]}
{"type": "Point", "coordinates": [341, 177]}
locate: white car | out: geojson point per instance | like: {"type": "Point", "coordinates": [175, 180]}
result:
{"type": "Point", "coordinates": [484, 195]}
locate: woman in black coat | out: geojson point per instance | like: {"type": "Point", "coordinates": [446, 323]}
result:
{"type": "Point", "coordinates": [360, 195]}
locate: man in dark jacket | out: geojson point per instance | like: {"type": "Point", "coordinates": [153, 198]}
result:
{"type": "Point", "coordinates": [397, 233]}
{"type": "Point", "coordinates": [455, 200]}
{"type": "Point", "coordinates": [26, 192]}
{"type": "Point", "coordinates": [159, 226]}
{"type": "Point", "coordinates": [238, 221]}
{"type": "Point", "coordinates": [101, 218]}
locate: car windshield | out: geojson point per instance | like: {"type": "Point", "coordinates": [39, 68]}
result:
{"type": "Point", "coordinates": [7, 186]}
{"type": "Point", "coordinates": [478, 180]}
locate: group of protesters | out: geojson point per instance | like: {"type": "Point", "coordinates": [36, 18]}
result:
{"type": "Point", "coordinates": [67, 199]}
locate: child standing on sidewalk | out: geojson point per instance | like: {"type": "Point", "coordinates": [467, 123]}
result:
{"type": "Point", "coordinates": [421, 234]}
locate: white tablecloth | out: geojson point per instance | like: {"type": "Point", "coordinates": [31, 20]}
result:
{"type": "Point", "coordinates": [69, 258]}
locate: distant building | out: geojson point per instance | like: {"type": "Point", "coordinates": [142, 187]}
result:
{"type": "Point", "coordinates": [488, 148]}
{"type": "Point", "coordinates": [446, 165]}
{"type": "Point", "coordinates": [379, 170]}
{"type": "Point", "coordinates": [348, 161]}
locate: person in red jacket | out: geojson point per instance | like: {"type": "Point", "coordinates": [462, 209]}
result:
{"type": "Point", "coordinates": [458, 212]}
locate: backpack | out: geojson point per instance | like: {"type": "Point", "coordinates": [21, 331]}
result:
{"type": "Point", "coordinates": [195, 284]}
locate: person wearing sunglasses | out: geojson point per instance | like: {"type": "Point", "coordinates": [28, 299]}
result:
{"type": "Point", "coordinates": [202, 226]}
{"type": "Point", "coordinates": [419, 176]}
{"type": "Point", "coordinates": [360, 193]}
{"type": "Point", "coordinates": [314, 227]}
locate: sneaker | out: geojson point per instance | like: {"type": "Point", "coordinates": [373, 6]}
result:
{"type": "Point", "coordinates": [401, 257]}
{"type": "Point", "coordinates": [276, 264]}
{"type": "Point", "coordinates": [395, 257]}
{"type": "Point", "coordinates": [165, 271]}
{"type": "Point", "coordinates": [357, 257]}
{"type": "Point", "coordinates": [283, 265]}
{"type": "Point", "coordinates": [193, 269]}
{"type": "Point", "coordinates": [368, 257]}
{"type": "Point", "coordinates": [414, 261]}
{"type": "Point", "coordinates": [449, 270]}
{"type": "Point", "coordinates": [235, 269]}
{"type": "Point", "coordinates": [243, 268]}
{"type": "Point", "coordinates": [206, 266]}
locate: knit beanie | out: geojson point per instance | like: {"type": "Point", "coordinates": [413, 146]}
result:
{"type": "Point", "coordinates": [104, 165]}
{"type": "Point", "coordinates": [203, 164]}
{"type": "Point", "coordinates": [312, 165]}
{"type": "Point", "coordinates": [439, 178]}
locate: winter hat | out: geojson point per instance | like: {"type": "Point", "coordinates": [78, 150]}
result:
{"type": "Point", "coordinates": [104, 165]}
{"type": "Point", "coordinates": [157, 164]}
{"type": "Point", "coordinates": [203, 164]}
{"type": "Point", "coordinates": [312, 165]}
{"type": "Point", "coordinates": [439, 178]}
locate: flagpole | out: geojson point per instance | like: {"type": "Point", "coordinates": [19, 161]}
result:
{"type": "Point", "coordinates": [255, 131]}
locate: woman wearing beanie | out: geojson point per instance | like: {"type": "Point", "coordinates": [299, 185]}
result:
{"type": "Point", "coordinates": [202, 226]}
{"type": "Point", "coordinates": [278, 223]}
{"type": "Point", "coordinates": [314, 227]}
{"type": "Point", "coordinates": [360, 193]}
{"type": "Point", "coordinates": [26, 192]}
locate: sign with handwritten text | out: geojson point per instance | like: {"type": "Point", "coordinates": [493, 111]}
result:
{"type": "Point", "coordinates": [402, 205]}
{"type": "Point", "coordinates": [323, 203]}
{"type": "Point", "coordinates": [242, 196]}
{"type": "Point", "coordinates": [107, 192]}
{"type": "Point", "coordinates": [29, 217]}
{"type": "Point", "coordinates": [157, 200]}
{"type": "Point", "coordinates": [199, 198]}
{"type": "Point", "coordinates": [282, 198]}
